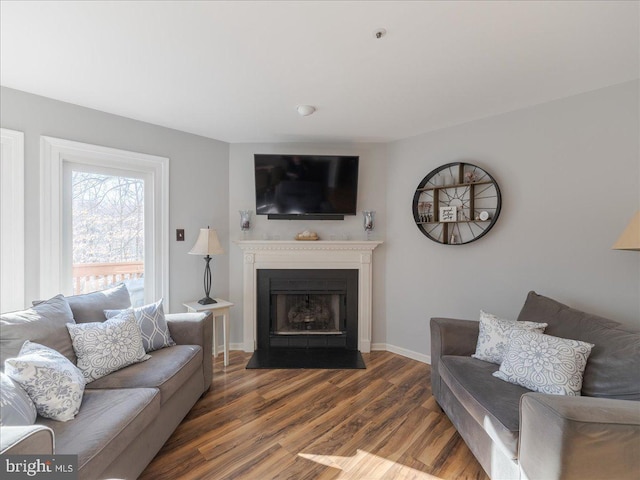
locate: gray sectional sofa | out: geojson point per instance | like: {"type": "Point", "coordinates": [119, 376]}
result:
{"type": "Point", "coordinates": [518, 434]}
{"type": "Point", "coordinates": [126, 416]}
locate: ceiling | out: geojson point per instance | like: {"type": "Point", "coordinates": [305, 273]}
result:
{"type": "Point", "coordinates": [235, 71]}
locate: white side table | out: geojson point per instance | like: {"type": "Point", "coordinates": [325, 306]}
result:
{"type": "Point", "coordinates": [220, 309]}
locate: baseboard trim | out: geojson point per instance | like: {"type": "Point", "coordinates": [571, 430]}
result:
{"type": "Point", "coordinates": [385, 347]}
{"type": "Point", "coordinates": [232, 346]}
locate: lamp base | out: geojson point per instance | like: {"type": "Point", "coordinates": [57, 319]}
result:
{"type": "Point", "coordinates": [206, 301]}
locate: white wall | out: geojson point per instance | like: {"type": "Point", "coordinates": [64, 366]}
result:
{"type": "Point", "coordinates": [569, 174]}
{"type": "Point", "coordinates": [371, 196]}
{"type": "Point", "coordinates": [197, 183]}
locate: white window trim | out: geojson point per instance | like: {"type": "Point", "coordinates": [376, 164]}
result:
{"type": "Point", "coordinates": [54, 152]}
{"type": "Point", "coordinates": [12, 219]}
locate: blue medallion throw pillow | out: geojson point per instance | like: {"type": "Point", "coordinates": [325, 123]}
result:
{"type": "Point", "coordinates": [495, 334]}
{"type": "Point", "coordinates": [544, 363]}
{"type": "Point", "coordinates": [53, 383]}
{"type": "Point", "coordinates": [104, 347]}
{"type": "Point", "coordinates": [150, 318]}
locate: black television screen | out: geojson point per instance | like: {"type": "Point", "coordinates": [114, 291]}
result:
{"type": "Point", "coordinates": [288, 186]}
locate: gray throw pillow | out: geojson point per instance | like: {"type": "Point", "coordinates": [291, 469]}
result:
{"type": "Point", "coordinates": [52, 382]}
{"type": "Point", "coordinates": [90, 307]}
{"type": "Point", "coordinates": [43, 323]}
{"type": "Point", "coordinates": [16, 408]}
{"type": "Point", "coordinates": [104, 347]}
{"type": "Point", "coordinates": [544, 363]}
{"type": "Point", "coordinates": [150, 318]}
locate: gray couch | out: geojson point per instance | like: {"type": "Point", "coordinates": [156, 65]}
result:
{"type": "Point", "coordinates": [126, 416]}
{"type": "Point", "coordinates": [517, 434]}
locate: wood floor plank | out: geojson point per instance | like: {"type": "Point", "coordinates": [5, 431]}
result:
{"type": "Point", "coordinates": [349, 403]}
{"type": "Point", "coordinates": [408, 468]}
{"type": "Point", "coordinates": [431, 447]}
{"type": "Point", "coordinates": [378, 423]}
{"type": "Point", "coordinates": [411, 430]}
{"type": "Point", "coordinates": [457, 463]}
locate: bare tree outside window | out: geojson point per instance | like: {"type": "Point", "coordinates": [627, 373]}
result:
{"type": "Point", "coordinates": [108, 231]}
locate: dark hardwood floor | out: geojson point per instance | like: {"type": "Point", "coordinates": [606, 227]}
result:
{"type": "Point", "coordinates": [378, 423]}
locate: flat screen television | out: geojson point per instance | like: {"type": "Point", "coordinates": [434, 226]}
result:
{"type": "Point", "coordinates": [306, 186]}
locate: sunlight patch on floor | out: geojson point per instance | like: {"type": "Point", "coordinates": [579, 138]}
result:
{"type": "Point", "coordinates": [365, 465]}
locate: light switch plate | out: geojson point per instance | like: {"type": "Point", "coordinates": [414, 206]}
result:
{"type": "Point", "coordinates": [180, 235]}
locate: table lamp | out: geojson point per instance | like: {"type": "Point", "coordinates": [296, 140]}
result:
{"type": "Point", "coordinates": [630, 238]}
{"type": "Point", "coordinates": [207, 244]}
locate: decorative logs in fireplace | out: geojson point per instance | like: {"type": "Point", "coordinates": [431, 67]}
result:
{"type": "Point", "coordinates": [311, 312]}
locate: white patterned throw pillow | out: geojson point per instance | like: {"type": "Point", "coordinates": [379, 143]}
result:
{"type": "Point", "coordinates": [150, 318]}
{"type": "Point", "coordinates": [104, 347]}
{"type": "Point", "coordinates": [495, 334]}
{"type": "Point", "coordinates": [16, 408]}
{"type": "Point", "coordinates": [52, 382]}
{"type": "Point", "coordinates": [544, 363]}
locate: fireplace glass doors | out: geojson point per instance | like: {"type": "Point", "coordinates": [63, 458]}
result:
{"type": "Point", "coordinates": [307, 308]}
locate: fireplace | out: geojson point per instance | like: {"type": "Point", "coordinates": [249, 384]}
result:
{"type": "Point", "coordinates": [295, 255]}
{"type": "Point", "coordinates": [307, 308]}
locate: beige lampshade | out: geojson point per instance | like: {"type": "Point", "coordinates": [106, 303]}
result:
{"type": "Point", "coordinates": [207, 243]}
{"type": "Point", "coordinates": [630, 238]}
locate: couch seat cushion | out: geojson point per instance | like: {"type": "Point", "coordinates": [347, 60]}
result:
{"type": "Point", "coordinates": [494, 404]}
{"type": "Point", "coordinates": [107, 423]}
{"type": "Point", "coordinates": [167, 369]}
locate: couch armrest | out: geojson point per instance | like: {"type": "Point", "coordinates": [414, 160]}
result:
{"type": "Point", "coordinates": [195, 329]}
{"type": "Point", "coordinates": [450, 336]}
{"type": "Point", "coordinates": [579, 437]}
{"type": "Point", "coordinates": [26, 440]}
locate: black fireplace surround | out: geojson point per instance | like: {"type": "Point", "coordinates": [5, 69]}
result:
{"type": "Point", "coordinates": [307, 308]}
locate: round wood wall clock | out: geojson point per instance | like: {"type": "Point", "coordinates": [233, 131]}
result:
{"type": "Point", "coordinates": [456, 204]}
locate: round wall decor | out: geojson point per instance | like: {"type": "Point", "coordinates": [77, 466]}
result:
{"type": "Point", "coordinates": [456, 203]}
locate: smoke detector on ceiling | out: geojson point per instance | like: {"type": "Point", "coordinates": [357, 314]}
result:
{"type": "Point", "coordinates": [379, 33]}
{"type": "Point", "coordinates": [305, 110]}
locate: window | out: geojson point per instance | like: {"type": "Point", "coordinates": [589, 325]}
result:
{"type": "Point", "coordinates": [11, 220]}
{"type": "Point", "coordinates": [104, 220]}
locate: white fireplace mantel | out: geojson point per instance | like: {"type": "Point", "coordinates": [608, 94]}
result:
{"type": "Point", "coordinates": [291, 254]}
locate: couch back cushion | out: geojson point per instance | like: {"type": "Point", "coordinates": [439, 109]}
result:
{"type": "Point", "coordinates": [44, 323]}
{"type": "Point", "coordinates": [614, 363]}
{"type": "Point", "coordinates": [90, 307]}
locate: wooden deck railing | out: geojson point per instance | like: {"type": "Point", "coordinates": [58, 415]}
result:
{"type": "Point", "coordinates": [89, 277]}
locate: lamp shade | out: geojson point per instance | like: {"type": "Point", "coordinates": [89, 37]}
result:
{"type": "Point", "coordinates": [207, 243]}
{"type": "Point", "coordinates": [630, 238]}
